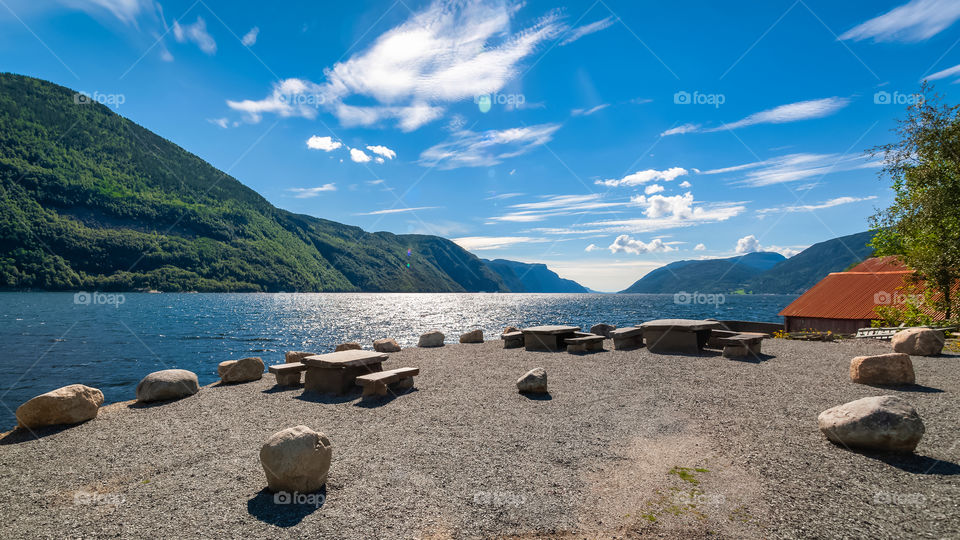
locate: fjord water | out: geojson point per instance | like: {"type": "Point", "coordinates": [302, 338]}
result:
{"type": "Point", "coordinates": [55, 339]}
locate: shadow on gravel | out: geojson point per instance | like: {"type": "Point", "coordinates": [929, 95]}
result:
{"type": "Point", "coordinates": [537, 397]}
{"type": "Point", "coordinates": [327, 399]}
{"type": "Point", "coordinates": [373, 403]}
{"type": "Point", "coordinates": [20, 435]}
{"type": "Point", "coordinates": [753, 358]}
{"type": "Point", "coordinates": [152, 404]}
{"type": "Point", "coordinates": [277, 388]}
{"type": "Point", "coordinates": [916, 464]}
{"type": "Point", "coordinates": [918, 388]}
{"type": "Point", "coordinates": [277, 508]}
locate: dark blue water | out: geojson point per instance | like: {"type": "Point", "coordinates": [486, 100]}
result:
{"type": "Point", "coordinates": [54, 339]}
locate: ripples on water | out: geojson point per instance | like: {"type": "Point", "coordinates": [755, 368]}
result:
{"type": "Point", "coordinates": [50, 341]}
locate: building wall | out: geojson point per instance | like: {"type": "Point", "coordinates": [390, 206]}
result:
{"type": "Point", "coordinates": [837, 326]}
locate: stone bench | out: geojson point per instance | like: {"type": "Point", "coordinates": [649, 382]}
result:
{"type": "Point", "coordinates": [547, 338]}
{"type": "Point", "coordinates": [376, 384]}
{"type": "Point", "coordinates": [512, 340]}
{"type": "Point", "coordinates": [288, 374]}
{"type": "Point", "coordinates": [627, 338]}
{"type": "Point", "coordinates": [585, 343]}
{"type": "Point", "coordinates": [740, 345]}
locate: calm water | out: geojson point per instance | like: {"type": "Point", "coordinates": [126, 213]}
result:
{"type": "Point", "coordinates": [54, 339]}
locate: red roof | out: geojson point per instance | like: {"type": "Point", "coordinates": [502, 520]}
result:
{"type": "Point", "coordinates": [890, 263]}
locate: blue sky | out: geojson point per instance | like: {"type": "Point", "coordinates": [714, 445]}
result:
{"type": "Point", "coordinates": [603, 138]}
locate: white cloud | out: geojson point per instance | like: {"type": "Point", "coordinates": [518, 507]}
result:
{"type": "Point", "coordinates": [626, 244]}
{"type": "Point", "coordinates": [949, 72]}
{"type": "Point", "coordinates": [221, 122]}
{"type": "Point", "coordinates": [700, 247]}
{"type": "Point", "coordinates": [327, 144]}
{"type": "Point", "coordinates": [813, 207]}
{"type": "Point", "coordinates": [685, 184]}
{"type": "Point", "coordinates": [642, 177]}
{"type": "Point", "coordinates": [592, 247]}
{"type": "Point", "coordinates": [680, 130]}
{"type": "Point", "coordinates": [502, 196]}
{"type": "Point", "coordinates": [786, 251]}
{"type": "Point", "coordinates": [376, 182]}
{"type": "Point", "coordinates": [792, 112]}
{"type": "Point", "coordinates": [748, 244]}
{"type": "Point", "coordinates": [653, 188]}
{"type": "Point", "coordinates": [306, 193]}
{"type": "Point", "coordinates": [448, 52]}
{"type": "Point", "coordinates": [658, 206]}
{"type": "Point", "coordinates": [793, 167]}
{"type": "Point", "coordinates": [250, 38]}
{"type": "Point", "coordinates": [197, 33]}
{"type": "Point", "coordinates": [359, 156]}
{"type": "Point", "coordinates": [914, 21]}
{"type": "Point", "coordinates": [481, 243]}
{"type": "Point", "coordinates": [397, 211]}
{"type": "Point", "coordinates": [471, 149]}
{"type": "Point", "coordinates": [125, 10]}
{"type": "Point", "coordinates": [591, 110]}
{"type": "Point", "coordinates": [382, 151]}
{"type": "Point", "coordinates": [556, 205]}
{"type": "Point", "coordinates": [290, 97]}
{"type": "Point", "coordinates": [587, 29]}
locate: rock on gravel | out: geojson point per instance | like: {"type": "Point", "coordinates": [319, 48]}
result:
{"type": "Point", "coordinates": [433, 338]}
{"type": "Point", "coordinates": [602, 329]}
{"type": "Point", "coordinates": [473, 336]}
{"type": "Point", "coordinates": [243, 370]}
{"type": "Point", "coordinates": [892, 369]}
{"type": "Point", "coordinates": [349, 346]}
{"type": "Point", "coordinates": [386, 345]}
{"type": "Point", "coordinates": [296, 356]}
{"type": "Point", "coordinates": [167, 384]}
{"type": "Point", "coordinates": [296, 459]}
{"type": "Point", "coordinates": [886, 423]}
{"type": "Point", "coordinates": [510, 329]}
{"type": "Point", "coordinates": [67, 405]}
{"type": "Point", "coordinates": [533, 381]}
{"type": "Point", "coordinates": [918, 342]}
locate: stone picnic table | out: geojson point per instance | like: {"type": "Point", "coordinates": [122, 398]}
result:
{"type": "Point", "coordinates": [548, 338]}
{"type": "Point", "coordinates": [337, 372]}
{"type": "Point", "coordinates": [677, 335]}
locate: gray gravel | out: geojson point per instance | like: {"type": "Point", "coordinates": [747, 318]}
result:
{"type": "Point", "coordinates": [465, 455]}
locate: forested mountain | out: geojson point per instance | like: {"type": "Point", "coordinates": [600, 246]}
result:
{"type": "Point", "coordinates": [707, 275]}
{"type": "Point", "coordinates": [532, 278]}
{"type": "Point", "coordinates": [91, 200]}
{"type": "Point", "coordinates": [802, 271]}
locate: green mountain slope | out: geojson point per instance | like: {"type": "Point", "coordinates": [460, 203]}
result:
{"type": "Point", "coordinates": [706, 276]}
{"type": "Point", "coordinates": [802, 271]}
{"type": "Point", "coordinates": [89, 199]}
{"type": "Point", "coordinates": [532, 278]}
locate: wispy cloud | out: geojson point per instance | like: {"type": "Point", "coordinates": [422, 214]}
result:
{"type": "Point", "coordinates": [470, 149]}
{"type": "Point", "coordinates": [914, 21]}
{"type": "Point", "coordinates": [793, 167]}
{"type": "Point", "coordinates": [838, 201]}
{"type": "Point", "coordinates": [481, 243]}
{"type": "Point", "coordinates": [250, 38]}
{"type": "Point", "coordinates": [196, 33]}
{"type": "Point", "coordinates": [680, 130]}
{"type": "Point", "coordinates": [556, 205]}
{"type": "Point", "coordinates": [306, 193]}
{"type": "Point", "coordinates": [591, 110]}
{"type": "Point", "coordinates": [642, 177]}
{"type": "Point", "coordinates": [793, 112]}
{"type": "Point", "coordinates": [502, 196]}
{"type": "Point", "coordinates": [396, 211]}
{"type": "Point", "coordinates": [949, 72]}
{"type": "Point", "coordinates": [587, 29]}
{"type": "Point", "coordinates": [220, 122]}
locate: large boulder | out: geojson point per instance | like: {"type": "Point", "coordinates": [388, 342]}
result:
{"type": "Point", "coordinates": [473, 336]}
{"type": "Point", "coordinates": [68, 405]}
{"type": "Point", "coordinates": [167, 384]}
{"type": "Point", "coordinates": [296, 459]}
{"type": "Point", "coordinates": [602, 329]}
{"type": "Point", "coordinates": [885, 423]}
{"type": "Point", "coordinates": [386, 345]}
{"type": "Point", "coordinates": [296, 356]}
{"type": "Point", "coordinates": [892, 369]}
{"type": "Point", "coordinates": [918, 341]}
{"type": "Point", "coordinates": [533, 381]}
{"type": "Point", "coordinates": [243, 370]}
{"type": "Point", "coordinates": [349, 346]}
{"type": "Point", "coordinates": [433, 338]}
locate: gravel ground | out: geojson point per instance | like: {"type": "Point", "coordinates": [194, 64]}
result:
{"type": "Point", "coordinates": [627, 444]}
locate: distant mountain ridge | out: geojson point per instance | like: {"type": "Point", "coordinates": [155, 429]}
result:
{"type": "Point", "coordinates": [532, 278]}
{"type": "Point", "coordinates": [759, 273]}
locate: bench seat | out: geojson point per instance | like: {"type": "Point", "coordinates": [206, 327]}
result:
{"type": "Point", "coordinates": [288, 374]}
{"type": "Point", "coordinates": [741, 344]}
{"type": "Point", "coordinates": [512, 340]}
{"type": "Point", "coordinates": [375, 384]}
{"type": "Point", "coordinates": [627, 338]}
{"type": "Point", "coordinates": [584, 343]}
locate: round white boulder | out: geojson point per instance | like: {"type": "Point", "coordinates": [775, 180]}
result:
{"type": "Point", "coordinates": [243, 370]}
{"type": "Point", "coordinates": [296, 459]}
{"type": "Point", "coordinates": [885, 423]}
{"type": "Point", "coordinates": [67, 405]}
{"type": "Point", "coordinates": [433, 338]}
{"type": "Point", "coordinates": [167, 384]}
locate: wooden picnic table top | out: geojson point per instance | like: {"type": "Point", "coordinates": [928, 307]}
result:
{"type": "Point", "coordinates": [681, 325]}
{"type": "Point", "coordinates": [351, 358]}
{"type": "Point", "coordinates": [551, 329]}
